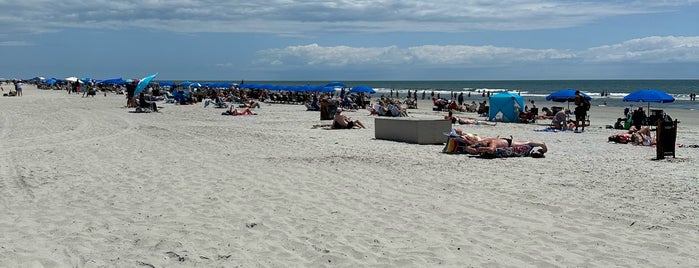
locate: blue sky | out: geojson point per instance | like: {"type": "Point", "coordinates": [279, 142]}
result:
{"type": "Point", "coordinates": [350, 39]}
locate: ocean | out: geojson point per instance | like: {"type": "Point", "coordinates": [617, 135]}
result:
{"type": "Point", "coordinates": [603, 92]}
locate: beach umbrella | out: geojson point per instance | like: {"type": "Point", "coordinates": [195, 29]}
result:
{"type": "Point", "coordinates": [143, 83]}
{"type": "Point", "coordinates": [336, 84]}
{"type": "Point", "coordinates": [71, 79]}
{"type": "Point", "coordinates": [166, 83]}
{"type": "Point", "coordinates": [117, 81]}
{"type": "Point", "coordinates": [649, 95]}
{"type": "Point", "coordinates": [324, 89]}
{"type": "Point", "coordinates": [50, 81]}
{"type": "Point", "coordinates": [565, 95]}
{"type": "Point", "coordinates": [365, 89]}
{"type": "Point", "coordinates": [308, 88]}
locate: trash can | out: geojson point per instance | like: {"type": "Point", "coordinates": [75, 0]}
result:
{"type": "Point", "coordinates": [666, 136]}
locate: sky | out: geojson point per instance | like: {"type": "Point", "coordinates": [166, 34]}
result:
{"type": "Point", "coordinates": [342, 40]}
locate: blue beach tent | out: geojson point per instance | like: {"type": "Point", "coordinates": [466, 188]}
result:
{"type": "Point", "coordinates": [505, 107]}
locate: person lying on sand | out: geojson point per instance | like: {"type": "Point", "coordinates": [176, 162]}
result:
{"type": "Point", "coordinates": [232, 111]}
{"type": "Point", "coordinates": [478, 145]}
{"type": "Point", "coordinates": [467, 121]}
{"type": "Point", "coordinates": [640, 136]}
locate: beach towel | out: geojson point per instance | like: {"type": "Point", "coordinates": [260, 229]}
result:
{"type": "Point", "coordinates": [513, 151]}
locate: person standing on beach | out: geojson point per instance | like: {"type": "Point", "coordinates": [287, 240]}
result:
{"type": "Point", "coordinates": [582, 105]}
{"type": "Point", "coordinates": [130, 89]}
{"type": "Point", "coordinates": [461, 99]}
{"type": "Point", "coordinates": [18, 88]}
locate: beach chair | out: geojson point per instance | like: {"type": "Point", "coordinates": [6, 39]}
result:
{"type": "Point", "coordinates": [219, 103]}
{"type": "Point", "coordinates": [168, 99]}
{"type": "Point", "coordinates": [529, 117]}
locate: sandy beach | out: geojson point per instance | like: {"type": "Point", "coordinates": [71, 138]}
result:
{"type": "Point", "coordinates": [86, 183]}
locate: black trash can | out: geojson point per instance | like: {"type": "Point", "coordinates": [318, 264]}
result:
{"type": "Point", "coordinates": [665, 138]}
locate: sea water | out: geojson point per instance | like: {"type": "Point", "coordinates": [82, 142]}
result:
{"type": "Point", "coordinates": [603, 92]}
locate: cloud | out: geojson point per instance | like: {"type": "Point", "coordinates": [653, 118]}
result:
{"type": "Point", "coordinates": [14, 43]}
{"type": "Point", "coordinates": [654, 49]}
{"type": "Point", "coordinates": [299, 17]}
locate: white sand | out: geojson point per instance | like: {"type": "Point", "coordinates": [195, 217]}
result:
{"type": "Point", "coordinates": [85, 183]}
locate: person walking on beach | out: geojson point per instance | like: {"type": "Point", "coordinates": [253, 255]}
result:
{"type": "Point", "coordinates": [582, 105]}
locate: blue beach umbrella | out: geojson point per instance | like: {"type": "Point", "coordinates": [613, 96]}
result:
{"type": "Point", "coordinates": [143, 83]}
{"type": "Point", "coordinates": [365, 89]}
{"type": "Point", "coordinates": [649, 95]}
{"type": "Point", "coordinates": [565, 95]}
{"type": "Point", "coordinates": [336, 84]}
{"type": "Point", "coordinates": [324, 89]}
{"type": "Point", "coordinates": [117, 81]}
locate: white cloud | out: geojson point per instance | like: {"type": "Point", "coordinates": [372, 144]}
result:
{"type": "Point", "coordinates": [298, 17]}
{"type": "Point", "coordinates": [14, 43]}
{"type": "Point", "coordinates": [654, 49]}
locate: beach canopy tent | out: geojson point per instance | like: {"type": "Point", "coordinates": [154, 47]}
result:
{"type": "Point", "coordinates": [505, 107]}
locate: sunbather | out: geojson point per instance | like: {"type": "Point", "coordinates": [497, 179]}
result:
{"type": "Point", "coordinates": [489, 145]}
{"type": "Point", "coordinates": [640, 136]}
{"type": "Point", "coordinates": [233, 111]}
{"type": "Point", "coordinates": [341, 121]}
{"type": "Point", "coordinates": [467, 121]}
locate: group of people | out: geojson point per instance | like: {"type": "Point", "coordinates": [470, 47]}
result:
{"type": "Point", "coordinates": [559, 120]}
{"type": "Point", "coordinates": [388, 107]}
{"type": "Point", "coordinates": [636, 136]}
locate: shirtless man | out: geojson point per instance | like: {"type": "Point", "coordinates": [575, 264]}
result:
{"type": "Point", "coordinates": [341, 121]}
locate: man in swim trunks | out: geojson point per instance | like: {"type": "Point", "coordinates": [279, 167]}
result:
{"type": "Point", "coordinates": [341, 121]}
